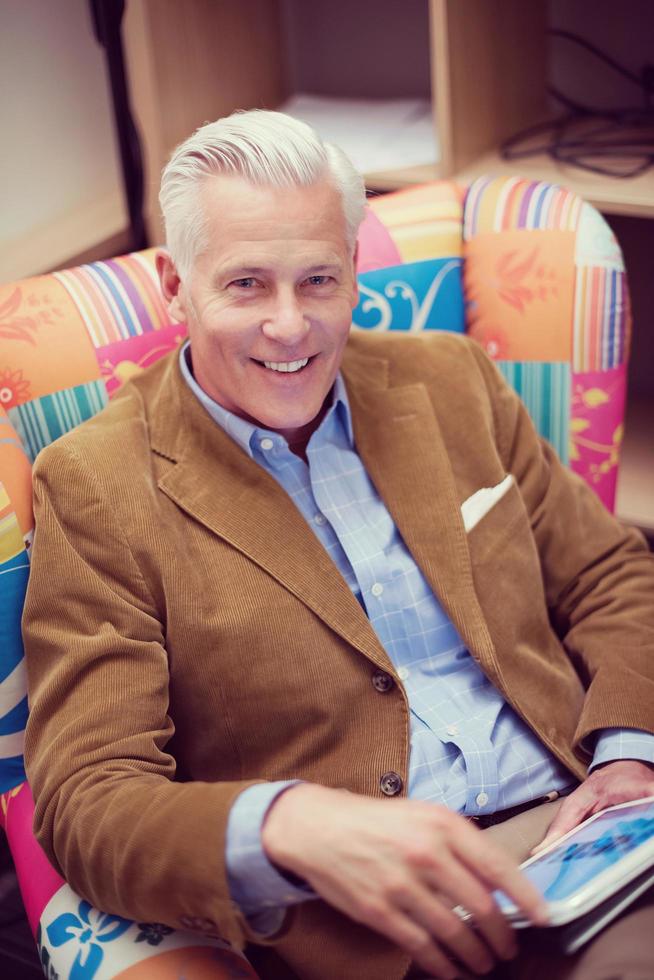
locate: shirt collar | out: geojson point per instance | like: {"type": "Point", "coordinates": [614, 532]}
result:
{"type": "Point", "coordinates": [245, 433]}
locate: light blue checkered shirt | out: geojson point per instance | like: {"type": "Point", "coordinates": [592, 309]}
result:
{"type": "Point", "coordinates": [469, 750]}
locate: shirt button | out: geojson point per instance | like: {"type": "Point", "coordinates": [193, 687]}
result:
{"type": "Point", "coordinates": [402, 673]}
{"type": "Point", "coordinates": [481, 799]}
{"type": "Point", "coordinates": [391, 784]}
{"type": "Point", "coordinates": [381, 681]}
{"type": "Point", "coordinates": [320, 519]}
{"type": "Point", "coordinates": [452, 730]}
{"type": "Point", "coordinates": [377, 589]}
{"type": "Point", "coordinates": [266, 444]}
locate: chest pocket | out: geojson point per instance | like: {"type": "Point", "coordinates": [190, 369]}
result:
{"type": "Point", "coordinates": [502, 531]}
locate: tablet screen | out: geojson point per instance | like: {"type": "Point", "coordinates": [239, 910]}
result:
{"type": "Point", "coordinates": [591, 849]}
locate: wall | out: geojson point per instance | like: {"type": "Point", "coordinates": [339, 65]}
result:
{"type": "Point", "coordinates": [381, 50]}
{"type": "Point", "coordinates": [59, 172]}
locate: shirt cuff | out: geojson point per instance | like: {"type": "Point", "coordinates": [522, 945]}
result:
{"type": "Point", "coordinates": [260, 891]}
{"type": "Point", "coordinates": [623, 743]}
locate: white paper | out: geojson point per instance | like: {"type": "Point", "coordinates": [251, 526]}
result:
{"type": "Point", "coordinates": [376, 134]}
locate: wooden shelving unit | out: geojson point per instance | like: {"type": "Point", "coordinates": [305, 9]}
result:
{"type": "Point", "coordinates": [193, 60]}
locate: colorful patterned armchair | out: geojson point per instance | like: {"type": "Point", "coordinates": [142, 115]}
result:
{"type": "Point", "coordinates": [529, 270]}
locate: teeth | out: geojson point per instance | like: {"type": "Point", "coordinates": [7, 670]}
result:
{"type": "Point", "coordinates": [286, 366]}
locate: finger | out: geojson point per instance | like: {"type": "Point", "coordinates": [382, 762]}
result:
{"type": "Point", "coordinates": [574, 809]}
{"type": "Point", "coordinates": [498, 870]}
{"type": "Point", "coordinates": [416, 940]}
{"type": "Point", "coordinates": [386, 916]}
{"type": "Point", "coordinates": [462, 887]}
{"type": "Point", "coordinates": [427, 908]}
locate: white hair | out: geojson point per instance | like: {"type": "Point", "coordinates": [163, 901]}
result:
{"type": "Point", "coordinates": [266, 148]}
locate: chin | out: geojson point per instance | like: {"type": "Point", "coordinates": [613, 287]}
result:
{"type": "Point", "coordinates": [285, 421]}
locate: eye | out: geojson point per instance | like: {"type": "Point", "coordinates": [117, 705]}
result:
{"type": "Point", "coordinates": [318, 280]}
{"type": "Point", "coordinates": [249, 282]}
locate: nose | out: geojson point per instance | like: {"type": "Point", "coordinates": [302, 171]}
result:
{"type": "Point", "coordinates": [286, 323]}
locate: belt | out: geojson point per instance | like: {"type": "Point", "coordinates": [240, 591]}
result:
{"type": "Point", "coordinates": [484, 820]}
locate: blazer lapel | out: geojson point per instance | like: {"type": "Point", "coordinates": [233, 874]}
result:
{"type": "Point", "coordinates": [400, 442]}
{"type": "Point", "coordinates": [215, 482]}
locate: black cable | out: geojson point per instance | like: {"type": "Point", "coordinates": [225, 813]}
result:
{"type": "Point", "coordinates": [624, 134]}
{"type": "Point", "coordinates": [602, 55]}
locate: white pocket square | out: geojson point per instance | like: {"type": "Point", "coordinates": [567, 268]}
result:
{"type": "Point", "coordinates": [477, 506]}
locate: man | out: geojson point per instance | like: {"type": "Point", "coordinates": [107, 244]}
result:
{"type": "Point", "coordinates": [271, 627]}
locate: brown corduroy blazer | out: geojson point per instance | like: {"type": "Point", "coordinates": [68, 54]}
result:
{"type": "Point", "coordinates": [187, 634]}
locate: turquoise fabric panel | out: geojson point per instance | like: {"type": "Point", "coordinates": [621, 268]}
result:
{"type": "Point", "coordinates": [41, 421]}
{"type": "Point", "coordinates": [545, 389]}
{"type": "Point", "coordinates": [13, 698]}
{"type": "Point", "coordinates": [417, 296]}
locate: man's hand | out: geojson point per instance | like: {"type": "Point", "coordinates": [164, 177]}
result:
{"type": "Point", "coordinates": [400, 867]}
{"type": "Point", "coordinates": [615, 782]}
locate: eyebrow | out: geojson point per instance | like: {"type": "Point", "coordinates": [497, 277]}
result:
{"type": "Point", "coordinates": [245, 271]}
{"type": "Point", "coordinates": [240, 271]}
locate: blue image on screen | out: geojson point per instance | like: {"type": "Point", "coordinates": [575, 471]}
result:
{"type": "Point", "coordinates": [564, 870]}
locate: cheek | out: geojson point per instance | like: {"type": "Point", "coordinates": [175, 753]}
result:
{"type": "Point", "coordinates": [224, 338]}
{"type": "Point", "coordinates": [339, 312]}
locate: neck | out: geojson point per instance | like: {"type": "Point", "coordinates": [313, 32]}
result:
{"type": "Point", "coordinates": [298, 439]}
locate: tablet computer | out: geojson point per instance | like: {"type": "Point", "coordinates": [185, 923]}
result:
{"type": "Point", "coordinates": [603, 864]}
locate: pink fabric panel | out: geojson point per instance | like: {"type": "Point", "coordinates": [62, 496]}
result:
{"type": "Point", "coordinates": [377, 250]}
{"type": "Point", "coordinates": [37, 878]}
{"type": "Point", "coordinates": [123, 359]}
{"type": "Point", "coordinates": [597, 410]}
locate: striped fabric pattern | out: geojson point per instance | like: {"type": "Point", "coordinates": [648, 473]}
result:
{"type": "Point", "coordinates": [504, 203]}
{"type": "Point", "coordinates": [545, 390]}
{"type": "Point", "coordinates": [601, 317]}
{"type": "Point", "coordinates": [11, 539]}
{"type": "Point", "coordinates": [41, 421]}
{"type": "Point", "coordinates": [423, 222]}
{"type": "Point", "coordinates": [117, 299]}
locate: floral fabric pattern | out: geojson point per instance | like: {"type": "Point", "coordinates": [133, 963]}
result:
{"type": "Point", "coordinates": [596, 428]}
{"type": "Point", "coordinates": [90, 930]}
{"type": "Point", "coordinates": [519, 291]}
{"type": "Point", "coordinates": [152, 933]}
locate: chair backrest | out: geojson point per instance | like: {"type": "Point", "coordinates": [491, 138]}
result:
{"type": "Point", "coordinates": [536, 276]}
{"type": "Point", "coordinates": [527, 269]}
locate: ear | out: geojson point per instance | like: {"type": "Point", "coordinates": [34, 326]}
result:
{"type": "Point", "coordinates": [171, 286]}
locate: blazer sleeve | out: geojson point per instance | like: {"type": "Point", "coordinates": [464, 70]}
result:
{"type": "Point", "coordinates": [109, 813]}
{"type": "Point", "coordinates": [598, 575]}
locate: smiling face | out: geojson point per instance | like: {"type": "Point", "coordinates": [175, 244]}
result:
{"type": "Point", "coordinates": [269, 303]}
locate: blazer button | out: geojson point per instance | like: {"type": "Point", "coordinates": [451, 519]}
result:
{"type": "Point", "coordinates": [391, 784]}
{"type": "Point", "coordinates": [198, 923]}
{"type": "Point", "coordinates": [382, 682]}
